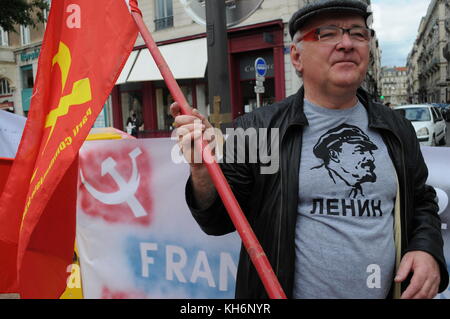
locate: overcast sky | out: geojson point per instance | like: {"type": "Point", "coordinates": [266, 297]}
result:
{"type": "Point", "coordinates": [396, 23]}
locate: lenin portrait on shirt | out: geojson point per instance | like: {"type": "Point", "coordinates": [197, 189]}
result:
{"type": "Point", "coordinates": [347, 154]}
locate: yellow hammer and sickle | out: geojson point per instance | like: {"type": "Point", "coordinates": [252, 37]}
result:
{"type": "Point", "coordinates": [81, 90]}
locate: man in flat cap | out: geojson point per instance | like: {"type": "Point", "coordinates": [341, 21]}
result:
{"type": "Point", "coordinates": [322, 240]}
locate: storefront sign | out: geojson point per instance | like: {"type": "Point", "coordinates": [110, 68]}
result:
{"type": "Point", "coordinates": [247, 66]}
{"type": "Point", "coordinates": [28, 56]}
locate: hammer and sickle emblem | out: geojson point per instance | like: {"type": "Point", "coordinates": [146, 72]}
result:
{"type": "Point", "coordinates": [127, 190]}
{"type": "Point", "coordinates": [80, 94]}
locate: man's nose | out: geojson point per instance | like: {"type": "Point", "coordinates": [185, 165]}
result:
{"type": "Point", "coordinates": [346, 43]}
{"type": "Point", "coordinates": [370, 158]}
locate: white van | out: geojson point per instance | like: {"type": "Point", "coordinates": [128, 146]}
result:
{"type": "Point", "coordinates": [427, 121]}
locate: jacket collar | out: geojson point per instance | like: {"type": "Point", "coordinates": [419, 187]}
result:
{"type": "Point", "coordinates": [296, 116]}
{"type": "Point", "coordinates": [378, 114]}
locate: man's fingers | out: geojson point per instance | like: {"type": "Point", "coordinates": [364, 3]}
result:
{"type": "Point", "coordinates": [434, 290]}
{"type": "Point", "coordinates": [188, 128]}
{"type": "Point", "coordinates": [404, 269]}
{"type": "Point", "coordinates": [180, 119]}
{"type": "Point", "coordinates": [189, 134]}
{"type": "Point", "coordinates": [190, 148]}
{"type": "Point", "coordinates": [175, 109]}
{"type": "Point", "coordinates": [429, 290]}
{"type": "Point", "coordinates": [415, 286]}
{"type": "Point", "coordinates": [426, 277]}
{"type": "Point", "coordinates": [424, 292]}
{"type": "Point", "coordinates": [200, 116]}
{"type": "Point", "coordinates": [187, 119]}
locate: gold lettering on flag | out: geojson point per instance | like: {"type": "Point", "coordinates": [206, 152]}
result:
{"type": "Point", "coordinates": [80, 93]}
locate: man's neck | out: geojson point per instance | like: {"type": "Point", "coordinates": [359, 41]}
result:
{"type": "Point", "coordinates": [340, 100]}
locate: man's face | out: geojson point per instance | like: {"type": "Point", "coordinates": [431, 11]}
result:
{"type": "Point", "coordinates": [356, 160]}
{"type": "Point", "coordinates": [329, 66]}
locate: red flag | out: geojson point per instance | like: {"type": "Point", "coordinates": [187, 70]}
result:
{"type": "Point", "coordinates": [85, 46]}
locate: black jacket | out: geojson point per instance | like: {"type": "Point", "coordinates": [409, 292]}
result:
{"type": "Point", "coordinates": [270, 201]}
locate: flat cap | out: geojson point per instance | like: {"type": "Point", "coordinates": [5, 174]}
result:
{"type": "Point", "coordinates": [344, 133]}
{"type": "Point", "coordinates": [300, 17]}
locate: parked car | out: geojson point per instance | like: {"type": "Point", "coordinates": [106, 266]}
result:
{"type": "Point", "coordinates": [428, 122]}
{"type": "Point", "coordinates": [445, 110]}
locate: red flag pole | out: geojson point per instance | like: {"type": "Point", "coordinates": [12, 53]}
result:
{"type": "Point", "coordinates": [248, 237]}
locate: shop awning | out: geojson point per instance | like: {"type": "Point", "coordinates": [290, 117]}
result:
{"type": "Point", "coordinates": [127, 67]}
{"type": "Point", "coordinates": [187, 60]}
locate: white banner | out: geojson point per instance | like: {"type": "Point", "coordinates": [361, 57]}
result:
{"type": "Point", "coordinates": [437, 160]}
{"type": "Point", "coordinates": [135, 234]}
{"type": "Point", "coordinates": [11, 127]}
{"type": "Point", "coordinates": [137, 239]}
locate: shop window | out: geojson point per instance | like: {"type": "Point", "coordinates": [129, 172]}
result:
{"type": "Point", "coordinates": [202, 99]}
{"type": "Point", "coordinates": [131, 102]}
{"type": "Point", "coordinates": [163, 14]}
{"type": "Point", "coordinates": [27, 77]}
{"type": "Point", "coordinates": [248, 98]}
{"type": "Point", "coordinates": [163, 101]}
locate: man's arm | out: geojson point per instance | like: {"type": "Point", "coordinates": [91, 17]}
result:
{"type": "Point", "coordinates": [424, 255]}
{"type": "Point", "coordinates": [203, 188]}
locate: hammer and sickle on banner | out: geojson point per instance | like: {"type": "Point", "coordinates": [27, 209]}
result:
{"type": "Point", "coordinates": [127, 190]}
{"type": "Point", "coordinates": [80, 94]}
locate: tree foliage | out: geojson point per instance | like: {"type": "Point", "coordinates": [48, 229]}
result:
{"type": "Point", "coordinates": [21, 12]}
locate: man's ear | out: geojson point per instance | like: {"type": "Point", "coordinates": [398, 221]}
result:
{"type": "Point", "coordinates": [296, 58]}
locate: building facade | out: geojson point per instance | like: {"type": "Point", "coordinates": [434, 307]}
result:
{"type": "Point", "coordinates": [19, 54]}
{"type": "Point", "coordinates": [413, 84]}
{"type": "Point", "coordinates": [428, 61]}
{"type": "Point", "coordinates": [140, 87]}
{"type": "Point", "coordinates": [372, 82]}
{"type": "Point", "coordinates": [182, 41]}
{"type": "Point", "coordinates": [394, 85]}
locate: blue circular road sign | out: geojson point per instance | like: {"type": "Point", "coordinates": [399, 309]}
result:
{"type": "Point", "coordinates": [260, 67]}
